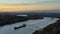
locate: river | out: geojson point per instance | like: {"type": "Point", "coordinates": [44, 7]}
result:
{"type": "Point", "coordinates": [32, 25]}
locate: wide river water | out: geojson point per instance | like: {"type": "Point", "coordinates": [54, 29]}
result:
{"type": "Point", "coordinates": [32, 25]}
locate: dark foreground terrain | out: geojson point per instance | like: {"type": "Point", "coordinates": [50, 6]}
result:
{"type": "Point", "coordinates": [10, 19]}
{"type": "Point", "coordinates": [6, 19]}
{"type": "Point", "coordinates": [50, 29]}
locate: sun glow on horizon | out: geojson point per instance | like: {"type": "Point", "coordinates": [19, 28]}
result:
{"type": "Point", "coordinates": [7, 8]}
{"type": "Point", "coordinates": [22, 5]}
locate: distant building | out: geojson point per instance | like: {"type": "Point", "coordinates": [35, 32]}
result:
{"type": "Point", "coordinates": [23, 15]}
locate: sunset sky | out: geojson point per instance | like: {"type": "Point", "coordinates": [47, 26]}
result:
{"type": "Point", "coordinates": [21, 5]}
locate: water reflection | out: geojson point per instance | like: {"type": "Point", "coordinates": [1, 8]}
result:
{"type": "Point", "coordinates": [32, 25]}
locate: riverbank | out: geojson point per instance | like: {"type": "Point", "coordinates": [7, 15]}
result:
{"type": "Point", "coordinates": [32, 25]}
{"type": "Point", "coordinates": [50, 29]}
{"type": "Point", "coordinates": [11, 19]}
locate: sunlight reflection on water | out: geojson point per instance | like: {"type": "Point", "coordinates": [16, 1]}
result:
{"type": "Point", "coordinates": [32, 25]}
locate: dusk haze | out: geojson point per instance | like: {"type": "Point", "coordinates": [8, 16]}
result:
{"type": "Point", "coordinates": [22, 5]}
